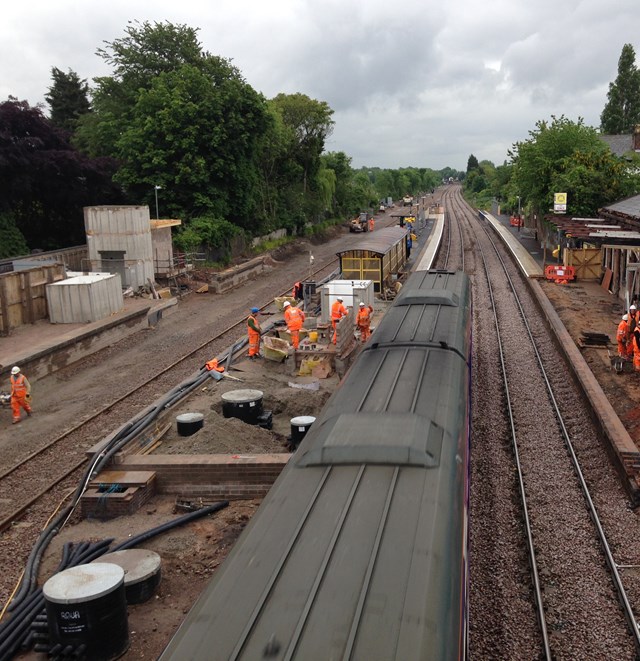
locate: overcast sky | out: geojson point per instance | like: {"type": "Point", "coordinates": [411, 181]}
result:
{"type": "Point", "coordinates": [412, 82]}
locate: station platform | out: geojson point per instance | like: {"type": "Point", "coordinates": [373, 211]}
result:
{"type": "Point", "coordinates": [42, 348]}
{"type": "Point", "coordinates": [521, 243]}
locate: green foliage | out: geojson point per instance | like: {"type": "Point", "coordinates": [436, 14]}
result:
{"type": "Point", "coordinates": [340, 164]}
{"type": "Point", "coordinates": [12, 241]}
{"type": "Point", "coordinates": [68, 99]}
{"type": "Point", "coordinates": [622, 110]}
{"type": "Point", "coordinates": [472, 163]}
{"type": "Point", "coordinates": [44, 181]}
{"type": "Point", "coordinates": [180, 118]}
{"type": "Point", "coordinates": [540, 160]}
{"type": "Point", "coordinates": [207, 232]}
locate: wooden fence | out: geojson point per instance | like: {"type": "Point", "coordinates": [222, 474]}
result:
{"type": "Point", "coordinates": [23, 298]}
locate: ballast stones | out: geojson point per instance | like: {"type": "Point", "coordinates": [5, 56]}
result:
{"type": "Point", "coordinates": [189, 423]}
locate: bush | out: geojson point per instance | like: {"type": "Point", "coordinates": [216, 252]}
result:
{"type": "Point", "coordinates": [13, 242]}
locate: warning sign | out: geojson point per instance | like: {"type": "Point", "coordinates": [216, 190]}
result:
{"type": "Point", "coordinates": [560, 203]}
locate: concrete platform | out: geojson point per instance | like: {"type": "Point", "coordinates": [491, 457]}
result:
{"type": "Point", "coordinates": [43, 348]}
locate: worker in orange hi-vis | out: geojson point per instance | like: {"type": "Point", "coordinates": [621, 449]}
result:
{"type": "Point", "coordinates": [20, 393]}
{"type": "Point", "coordinates": [253, 331]}
{"type": "Point", "coordinates": [636, 350]}
{"type": "Point", "coordinates": [298, 291]}
{"type": "Point", "coordinates": [632, 322]}
{"type": "Point", "coordinates": [623, 338]}
{"type": "Point", "coordinates": [363, 321]}
{"type": "Point", "coordinates": [294, 318]}
{"type": "Point", "coordinates": [372, 223]}
{"type": "Point", "coordinates": [337, 312]}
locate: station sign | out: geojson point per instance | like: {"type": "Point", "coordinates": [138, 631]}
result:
{"type": "Point", "coordinates": [560, 203]}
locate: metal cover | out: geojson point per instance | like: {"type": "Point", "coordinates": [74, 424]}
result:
{"type": "Point", "coordinates": [383, 438]}
{"type": "Point", "coordinates": [83, 583]}
{"type": "Point", "coordinates": [137, 564]}
{"type": "Point", "coordinates": [242, 396]}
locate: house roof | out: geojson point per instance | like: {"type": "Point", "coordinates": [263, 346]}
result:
{"type": "Point", "coordinates": [629, 208]}
{"type": "Point", "coordinates": [619, 144]}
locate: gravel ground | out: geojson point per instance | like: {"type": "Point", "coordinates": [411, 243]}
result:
{"type": "Point", "coordinates": [585, 621]}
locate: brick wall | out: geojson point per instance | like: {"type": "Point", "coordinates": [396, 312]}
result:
{"type": "Point", "coordinates": [207, 476]}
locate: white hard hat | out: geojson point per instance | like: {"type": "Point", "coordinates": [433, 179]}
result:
{"type": "Point", "coordinates": [633, 307]}
{"type": "Point", "coordinates": [286, 304]}
{"type": "Point", "coordinates": [339, 298]}
{"type": "Point", "coordinates": [625, 317]}
{"type": "Point", "coordinates": [361, 304]}
{"type": "Point", "coordinates": [15, 370]}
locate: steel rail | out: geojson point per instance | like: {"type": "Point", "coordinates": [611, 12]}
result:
{"type": "Point", "coordinates": [602, 538]}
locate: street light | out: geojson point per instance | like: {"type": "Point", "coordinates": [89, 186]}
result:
{"type": "Point", "coordinates": [157, 188]}
{"type": "Point", "coordinates": [519, 218]}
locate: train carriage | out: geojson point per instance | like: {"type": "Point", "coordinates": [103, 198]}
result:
{"type": "Point", "coordinates": [359, 549]}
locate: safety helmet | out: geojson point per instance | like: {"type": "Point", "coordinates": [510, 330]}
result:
{"type": "Point", "coordinates": [633, 307]}
{"type": "Point", "coordinates": [339, 298]}
{"type": "Point", "coordinates": [254, 310]}
{"type": "Point", "coordinates": [15, 370]}
{"type": "Point", "coordinates": [625, 317]}
{"type": "Point", "coordinates": [361, 304]}
{"type": "Point", "coordinates": [286, 304]}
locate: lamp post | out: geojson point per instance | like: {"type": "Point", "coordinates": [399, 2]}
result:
{"type": "Point", "coordinates": [519, 218]}
{"type": "Point", "coordinates": [157, 188]}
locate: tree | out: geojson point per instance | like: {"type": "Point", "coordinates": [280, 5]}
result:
{"type": "Point", "coordinates": [622, 110]}
{"type": "Point", "coordinates": [472, 163]}
{"type": "Point", "coordinates": [45, 181]}
{"type": "Point", "coordinates": [339, 163]}
{"type": "Point", "coordinates": [12, 242]}
{"type": "Point", "coordinates": [68, 99]}
{"type": "Point", "coordinates": [569, 157]}
{"type": "Point", "coordinates": [178, 117]}
{"type": "Point", "coordinates": [310, 124]}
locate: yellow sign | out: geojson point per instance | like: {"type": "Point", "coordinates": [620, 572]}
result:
{"type": "Point", "coordinates": [560, 202]}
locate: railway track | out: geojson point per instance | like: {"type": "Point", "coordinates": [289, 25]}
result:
{"type": "Point", "coordinates": [55, 467]}
{"type": "Point", "coordinates": [525, 405]}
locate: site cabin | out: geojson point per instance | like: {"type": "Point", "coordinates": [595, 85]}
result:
{"type": "Point", "coordinates": [377, 258]}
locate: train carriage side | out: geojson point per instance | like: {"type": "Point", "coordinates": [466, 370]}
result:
{"type": "Point", "coordinates": [359, 549]}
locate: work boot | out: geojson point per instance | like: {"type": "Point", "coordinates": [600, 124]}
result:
{"type": "Point", "coordinates": [28, 414]}
{"type": "Point", "coordinates": [15, 422]}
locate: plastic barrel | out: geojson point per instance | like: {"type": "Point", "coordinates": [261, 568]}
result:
{"type": "Point", "coordinates": [86, 607]}
{"type": "Point", "coordinates": [142, 572]}
{"type": "Point", "coordinates": [245, 404]}
{"type": "Point", "coordinates": [299, 427]}
{"type": "Point", "coordinates": [189, 423]}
